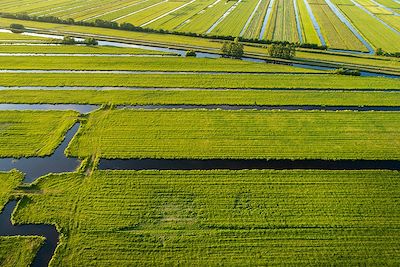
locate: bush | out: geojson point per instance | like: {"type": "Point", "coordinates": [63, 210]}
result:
{"type": "Point", "coordinates": [343, 71]}
{"type": "Point", "coordinates": [90, 41]}
{"type": "Point", "coordinates": [232, 49]}
{"type": "Point", "coordinates": [190, 53]}
{"type": "Point", "coordinates": [68, 40]}
{"type": "Point", "coordinates": [282, 51]}
{"type": "Point", "coordinates": [17, 28]}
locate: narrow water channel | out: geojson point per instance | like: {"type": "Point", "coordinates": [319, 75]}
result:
{"type": "Point", "coordinates": [46, 251]}
{"type": "Point", "coordinates": [35, 167]}
{"type": "Point", "coordinates": [262, 107]}
{"type": "Point", "coordinates": [239, 164]}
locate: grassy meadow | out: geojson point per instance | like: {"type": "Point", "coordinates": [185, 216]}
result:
{"type": "Point", "coordinates": [217, 218]}
{"type": "Point", "coordinates": [33, 133]}
{"type": "Point", "coordinates": [19, 251]}
{"type": "Point", "coordinates": [203, 97]}
{"type": "Point", "coordinates": [206, 134]}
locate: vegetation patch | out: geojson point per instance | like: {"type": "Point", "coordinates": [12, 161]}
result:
{"type": "Point", "coordinates": [33, 133]}
{"type": "Point", "coordinates": [206, 134]}
{"type": "Point", "coordinates": [19, 251]}
{"type": "Point", "coordinates": [220, 217]}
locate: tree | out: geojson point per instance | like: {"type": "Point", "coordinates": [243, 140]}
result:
{"type": "Point", "coordinates": [68, 40]}
{"type": "Point", "coordinates": [282, 51]}
{"type": "Point", "coordinates": [232, 49]}
{"type": "Point", "coordinates": [17, 28]}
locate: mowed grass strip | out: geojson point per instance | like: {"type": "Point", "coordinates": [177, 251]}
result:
{"type": "Point", "coordinates": [205, 134]}
{"type": "Point", "coordinates": [33, 133]}
{"type": "Point", "coordinates": [8, 182]}
{"type": "Point", "coordinates": [220, 217]}
{"type": "Point", "coordinates": [75, 49]}
{"type": "Point", "coordinates": [245, 81]}
{"type": "Point", "coordinates": [143, 64]}
{"type": "Point", "coordinates": [19, 251]}
{"type": "Point", "coordinates": [203, 97]}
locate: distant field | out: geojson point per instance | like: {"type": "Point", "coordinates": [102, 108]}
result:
{"type": "Point", "coordinates": [33, 133]}
{"type": "Point", "coordinates": [244, 81]}
{"type": "Point", "coordinates": [234, 18]}
{"type": "Point", "coordinates": [19, 251]}
{"type": "Point", "coordinates": [220, 217]}
{"type": "Point", "coordinates": [239, 134]}
{"type": "Point", "coordinates": [203, 97]}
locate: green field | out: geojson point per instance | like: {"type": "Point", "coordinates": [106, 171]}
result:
{"type": "Point", "coordinates": [19, 251]}
{"type": "Point", "coordinates": [143, 64]}
{"type": "Point", "coordinates": [33, 133]}
{"type": "Point", "coordinates": [212, 218]}
{"type": "Point", "coordinates": [74, 49]}
{"type": "Point", "coordinates": [205, 134]}
{"type": "Point", "coordinates": [198, 17]}
{"type": "Point", "coordinates": [8, 182]}
{"type": "Point", "coordinates": [203, 97]}
{"type": "Point", "coordinates": [284, 81]}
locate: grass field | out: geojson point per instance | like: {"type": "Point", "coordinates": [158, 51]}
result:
{"type": "Point", "coordinates": [75, 49]}
{"type": "Point", "coordinates": [239, 134]}
{"type": "Point", "coordinates": [199, 15]}
{"type": "Point", "coordinates": [203, 97]}
{"type": "Point", "coordinates": [143, 64]}
{"type": "Point", "coordinates": [282, 25]}
{"type": "Point", "coordinates": [8, 182]}
{"type": "Point", "coordinates": [18, 251]}
{"type": "Point", "coordinates": [335, 33]}
{"type": "Point", "coordinates": [284, 81]}
{"type": "Point", "coordinates": [33, 133]}
{"type": "Point", "coordinates": [375, 32]}
{"type": "Point", "coordinates": [308, 32]}
{"type": "Point", "coordinates": [19, 38]}
{"type": "Point", "coordinates": [220, 217]}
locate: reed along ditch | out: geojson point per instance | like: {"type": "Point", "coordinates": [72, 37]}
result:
{"type": "Point", "coordinates": [35, 167]}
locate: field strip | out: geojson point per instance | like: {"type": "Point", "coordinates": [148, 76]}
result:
{"type": "Point", "coordinates": [116, 10]}
{"type": "Point", "coordinates": [250, 18]}
{"type": "Point", "coordinates": [166, 14]}
{"type": "Point", "coordinates": [298, 24]}
{"type": "Point", "coordinates": [385, 7]}
{"type": "Point", "coordinates": [223, 16]}
{"type": "Point", "coordinates": [137, 11]}
{"type": "Point", "coordinates": [53, 8]}
{"type": "Point", "coordinates": [200, 12]}
{"type": "Point", "coordinates": [373, 15]}
{"type": "Point", "coordinates": [80, 55]}
{"type": "Point", "coordinates": [66, 71]}
{"type": "Point", "coordinates": [177, 89]}
{"type": "Point", "coordinates": [71, 8]}
{"type": "Point", "coordinates": [342, 18]}
{"type": "Point", "coordinates": [315, 23]}
{"type": "Point", "coordinates": [266, 18]}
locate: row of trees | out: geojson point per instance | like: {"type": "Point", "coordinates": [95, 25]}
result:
{"type": "Point", "coordinates": [68, 40]}
{"type": "Point", "coordinates": [380, 52]}
{"type": "Point", "coordinates": [235, 50]}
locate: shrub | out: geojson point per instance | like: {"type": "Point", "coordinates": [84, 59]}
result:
{"type": "Point", "coordinates": [190, 53]}
{"type": "Point", "coordinates": [343, 71]}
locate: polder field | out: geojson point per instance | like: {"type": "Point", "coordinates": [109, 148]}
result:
{"type": "Point", "coordinates": [358, 25]}
{"type": "Point", "coordinates": [129, 152]}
